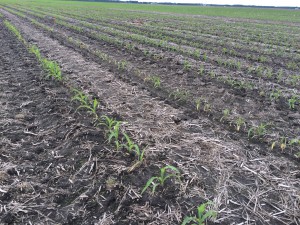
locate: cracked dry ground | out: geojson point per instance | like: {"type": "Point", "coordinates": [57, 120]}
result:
{"type": "Point", "coordinates": [57, 169]}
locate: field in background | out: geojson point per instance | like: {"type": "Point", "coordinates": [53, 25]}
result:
{"type": "Point", "coordinates": [212, 91]}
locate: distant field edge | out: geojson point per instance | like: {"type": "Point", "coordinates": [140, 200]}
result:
{"type": "Point", "coordinates": [274, 14]}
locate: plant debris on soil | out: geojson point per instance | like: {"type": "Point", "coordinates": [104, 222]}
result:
{"type": "Point", "coordinates": [57, 167]}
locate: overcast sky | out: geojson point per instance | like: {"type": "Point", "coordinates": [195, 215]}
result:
{"type": "Point", "coordinates": [234, 2]}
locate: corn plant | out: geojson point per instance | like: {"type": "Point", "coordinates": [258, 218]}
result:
{"type": "Point", "coordinates": [91, 107]}
{"type": "Point", "coordinates": [52, 68]}
{"type": "Point", "coordinates": [108, 122]}
{"type": "Point", "coordinates": [198, 102]}
{"type": "Point", "coordinates": [283, 143]}
{"type": "Point", "coordinates": [202, 215]}
{"type": "Point", "coordinates": [207, 107]}
{"type": "Point", "coordinates": [294, 141]}
{"type": "Point", "coordinates": [160, 180]}
{"type": "Point", "coordinates": [201, 70]}
{"type": "Point", "coordinates": [269, 73]}
{"type": "Point", "coordinates": [33, 49]}
{"type": "Point", "coordinates": [122, 65]}
{"type": "Point", "coordinates": [113, 134]}
{"type": "Point", "coordinates": [180, 95]}
{"type": "Point", "coordinates": [155, 80]}
{"type": "Point", "coordinates": [291, 65]}
{"type": "Point", "coordinates": [292, 101]}
{"type": "Point", "coordinates": [196, 53]}
{"type": "Point", "coordinates": [225, 116]}
{"type": "Point", "coordinates": [279, 75]}
{"type": "Point", "coordinates": [15, 31]}
{"type": "Point", "coordinates": [239, 122]}
{"type": "Point", "coordinates": [204, 56]}
{"type": "Point", "coordinates": [258, 131]}
{"type": "Point", "coordinates": [294, 80]}
{"type": "Point", "coordinates": [275, 95]}
{"type": "Point", "coordinates": [212, 74]}
{"type": "Point", "coordinates": [186, 65]}
{"type": "Point", "coordinates": [132, 147]}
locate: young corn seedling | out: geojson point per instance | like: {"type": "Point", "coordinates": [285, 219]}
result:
{"type": "Point", "coordinates": [180, 95]}
{"type": "Point", "coordinates": [186, 65]}
{"type": "Point", "coordinates": [294, 80]}
{"type": "Point", "coordinates": [155, 81]}
{"type": "Point", "coordinates": [279, 75]}
{"type": "Point", "coordinates": [275, 95]}
{"type": "Point", "coordinates": [85, 103]}
{"type": "Point", "coordinates": [292, 101]}
{"type": "Point", "coordinates": [201, 70]}
{"type": "Point", "coordinates": [225, 116]}
{"type": "Point", "coordinates": [207, 107]}
{"type": "Point", "coordinates": [108, 122]}
{"type": "Point", "coordinates": [294, 141]}
{"type": "Point", "coordinates": [132, 147]}
{"type": "Point", "coordinates": [196, 53]}
{"type": "Point", "coordinates": [33, 49]}
{"type": "Point", "coordinates": [160, 180]}
{"type": "Point", "coordinates": [204, 56]}
{"type": "Point", "coordinates": [114, 135]}
{"type": "Point", "coordinates": [269, 73]}
{"type": "Point", "coordinates": [198, 102]}
{"type": "Point", "coordinates": [122, 65]}
{"type": "Point", "coordinates": [80, 97]}
{"type": "Point", "coordinates": [292, 65]}
{"type": "Point", "coordinates": [212, 74]}
{"type": "Point", "coordinates": [239, 122]}
{"type": "Point", "coordinates": [259, 131]}
{"type": "Point", "coordinates": [224, 51]}
{"type": "Point", "coordinates": [52, 68]}
{"type": "Point", "coordinates": [283, 143]}
{"type": "Point", "coordinates": [202, 215]}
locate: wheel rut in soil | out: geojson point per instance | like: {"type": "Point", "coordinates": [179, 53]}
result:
{"type": "Point", "coordinates": [234, 174]}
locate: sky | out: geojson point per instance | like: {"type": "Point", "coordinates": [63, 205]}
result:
{"type": "Point", "coordinates": [235, 2]}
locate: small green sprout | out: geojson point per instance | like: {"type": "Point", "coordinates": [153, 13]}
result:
{"type": "Point", "coordinates": [186, 65]}
{"type": "Point", "coordinates": [160, 180]}
{"type": "Point", "coordinates": [207, 107]}
{"type": "Point", "coordinates": [258, 131]}
{"type": "Point", "coordinates": [132, 147]}
{"type": "Point", "coordinates": [156, 81]}
{"type": "Point", "coordinates": [225, 116]}
{"type": "Point", "coordinates": [283, 143]}
{"type": "Point", "coordinates": [202, 215]}
{"type": "Point", "coordinates": [275, 95]}
{"type": "Point", "coordinates": [204, 56]}
{"type": "Point", "coordinates": [198, 102]}
{"type": "Point", "coordinates": [201, 70]}
{"type": "Point", "coordinates": [108, 122]}
{"type": "Point", "coordinates": [85, 103]}
{"type": "Point", "coordinates": [122, 65]}
{"type": "Point", "coordinates": [292, 101]}
{"type": "Point", "coordinates": [114, 134]}
{"type": "Point", "coordinates": [239, 122]}
{"type": "Point", "coordinates": [180, 95]}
